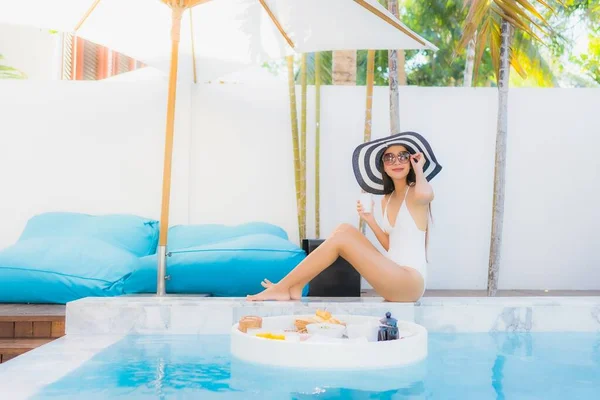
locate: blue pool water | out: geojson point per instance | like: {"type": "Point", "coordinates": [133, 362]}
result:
{"type": "Point", "coordinates": [459, 366]}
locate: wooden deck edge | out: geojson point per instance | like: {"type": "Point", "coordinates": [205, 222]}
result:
{"type": "Point", "coordinates": [19, 345]}
{"type": "Point", "coordinates": [32, 318]}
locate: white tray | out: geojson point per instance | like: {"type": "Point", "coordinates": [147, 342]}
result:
{"type": "Point", "coordinates": [343, 354]}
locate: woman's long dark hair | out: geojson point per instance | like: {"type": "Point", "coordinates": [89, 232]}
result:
{"type": "Point", "coordinates": [411, 179]}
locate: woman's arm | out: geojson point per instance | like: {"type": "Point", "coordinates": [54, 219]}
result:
{"type": "Point", "coordinates": [423, 190]}
{"type": "Point", "coordinates": [383, 237]}
{"type": "Point", "coordinates": [369, 218]}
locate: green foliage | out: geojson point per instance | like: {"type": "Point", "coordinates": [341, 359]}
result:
{"type": "Point", "coordinates": [7, 72]}
{"type": "Point", "coordinates": [326, 68]}
{"type": "Point", "coordinates": [527, 53]}
{"type": "Point", "coordinates": [381, 68]}
{"type": "Point", "coordinates": [483, 22]}
{"type": "Point", "coordinates": [571, 16]}
{"type": "Point", "coordinates": [590, 7]}
{"type": "Point", "coordinates": [442, 22]}
{"type": "Point", "coordinates": [590, 61]}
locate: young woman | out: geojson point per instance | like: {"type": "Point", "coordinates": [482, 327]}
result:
{"type": "Point", "coordinates": [402, 173]}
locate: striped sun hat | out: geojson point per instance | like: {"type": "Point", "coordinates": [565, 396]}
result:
{"type": "Point", "coordinates": [368, 166]}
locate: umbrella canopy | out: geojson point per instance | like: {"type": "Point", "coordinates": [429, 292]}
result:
{"type": "Point", "coordinates": [213, 38]}
{"type": "Point", "coordinates": [219, 36]}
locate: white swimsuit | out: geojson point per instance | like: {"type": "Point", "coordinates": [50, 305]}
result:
{"type": "Point", "coordinates": [407, 241]}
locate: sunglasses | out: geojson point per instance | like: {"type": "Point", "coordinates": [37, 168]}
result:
{"type": "Point", "coordinates": [390, 158]}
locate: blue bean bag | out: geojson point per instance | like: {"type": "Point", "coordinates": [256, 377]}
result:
{"type": "Point", "coordinates": [63, 269]}
{"type": "Point", "coordinates": [62, 256]}
{"type": "Point", "coordinates": [223, 261]}
{"type": "Point", "coordinates": [134, 234]}
{"type": "Point", "coordinates": [184, 236]}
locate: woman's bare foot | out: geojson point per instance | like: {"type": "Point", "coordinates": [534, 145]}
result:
{"type": "Point", "coordinates": [273, 292]}
{"type": "Point", "coordinates": [295, 291]}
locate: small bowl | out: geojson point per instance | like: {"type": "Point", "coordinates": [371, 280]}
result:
{"type": "Point", "coordinates": [326, 329]}
{"type": "Point", "coordinates": [365, 330]}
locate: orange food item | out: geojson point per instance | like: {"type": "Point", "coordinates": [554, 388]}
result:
{"type": "Point", "coordinates": [320, 316]}
{"type": "Point", "coordinates": [249, 322]}
{"type": "Point", "coordinates": [301, 323]}
{"type": "Point", "coordinates": [323, 314]}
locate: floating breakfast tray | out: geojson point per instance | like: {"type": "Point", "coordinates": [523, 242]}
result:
{"type": "Point", "coordinates": [327, 353]}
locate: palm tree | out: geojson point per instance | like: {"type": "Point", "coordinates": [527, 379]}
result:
{"type": "Point", "coordinates": [344, 67]}
{"type": "Point", "coordinates": [7, 72]}
{"type": "Point", "coordinates": [393, 78]}
{"type": "Point", "coordinates": [469, 64]}
{"type": "Point", "coordinates": [491, 24]}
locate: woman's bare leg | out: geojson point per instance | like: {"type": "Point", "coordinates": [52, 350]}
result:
{"type": "Point", "coordinates": [393, 282]}
{"type": "Point", "coordinates": [290, 287]}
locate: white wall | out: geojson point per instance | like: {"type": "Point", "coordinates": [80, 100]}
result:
{"type": "Point", "coordinates": [33, 51]}
{"type": "Point", "coordinates": [241, 168]}
{"type": "Point", "coordinates": [62, 148]}
{"type": "Point", "coordinates": [86, 147]}
{"type": "Point", "coordinates": [553, 191]}
{"type": "Point", "coordinates": [460, 124]}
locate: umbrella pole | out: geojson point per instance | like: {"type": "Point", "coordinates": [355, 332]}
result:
{"type": "Point", "coordinates": [166, 186]}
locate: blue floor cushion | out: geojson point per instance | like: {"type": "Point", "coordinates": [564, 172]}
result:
{"type": "Point", "coordinates": [63, 268]}
{"type": "Point", "coordinates": [230, 265]}
{"type": "Point", "coordinates": [184, 236]}
{"type": "Point", "coordinates": [134, 234]}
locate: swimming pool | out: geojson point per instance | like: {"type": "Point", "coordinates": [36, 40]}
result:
{"type": "Point", "coordinates": [498, 365]}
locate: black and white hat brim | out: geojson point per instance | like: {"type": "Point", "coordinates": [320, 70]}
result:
{"type": "Point", "coordinates": [367, 165]}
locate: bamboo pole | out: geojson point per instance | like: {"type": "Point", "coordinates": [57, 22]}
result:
{"type": "Point", "coordinates": [303, 84]}
{"type": "Point", "coordinates": [295, 142]}
{"type": "Point", "coordinates": [166, 185]}
{"type": "Point", "coordinates": [318, 145]}
{"type": "Point", "coordinates": [370, 84]}
{"type": "Point", "coordinates": [369, 106]}
{"type": "Point", "coordinates": [193, 47]}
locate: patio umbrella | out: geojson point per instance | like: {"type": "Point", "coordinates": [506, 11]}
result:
{"type": "Point", "coordinates": [212, 38]}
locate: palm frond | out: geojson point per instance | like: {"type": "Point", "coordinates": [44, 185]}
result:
{"type": "Point", "coordinates": [496, 42]}
{"type": "Point", "coordinates": [529, 7]}
{"type": "Point", "coordinates": [484, 32]}
{"type": "Point", "coordinates": [483, 22]}
{"type": "Point", "coordinates": [525, 56]}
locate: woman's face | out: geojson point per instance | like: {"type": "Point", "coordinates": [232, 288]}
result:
{"type": "Point", "coordinates": [396, 162]}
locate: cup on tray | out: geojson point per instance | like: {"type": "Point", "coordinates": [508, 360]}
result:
{"type": "Point", "coordinates": [364, 329]}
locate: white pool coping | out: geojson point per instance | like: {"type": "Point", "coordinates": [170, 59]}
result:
{"type": "Point", "coordinates": [196, 315]}
{"type": "Point", "coordinates": [25, 375]}
{"type": "Point", "coordinates": [93, 324]}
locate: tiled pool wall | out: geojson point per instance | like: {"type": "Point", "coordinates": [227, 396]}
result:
{"type": "Point", "coordinates": [189, 315]}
